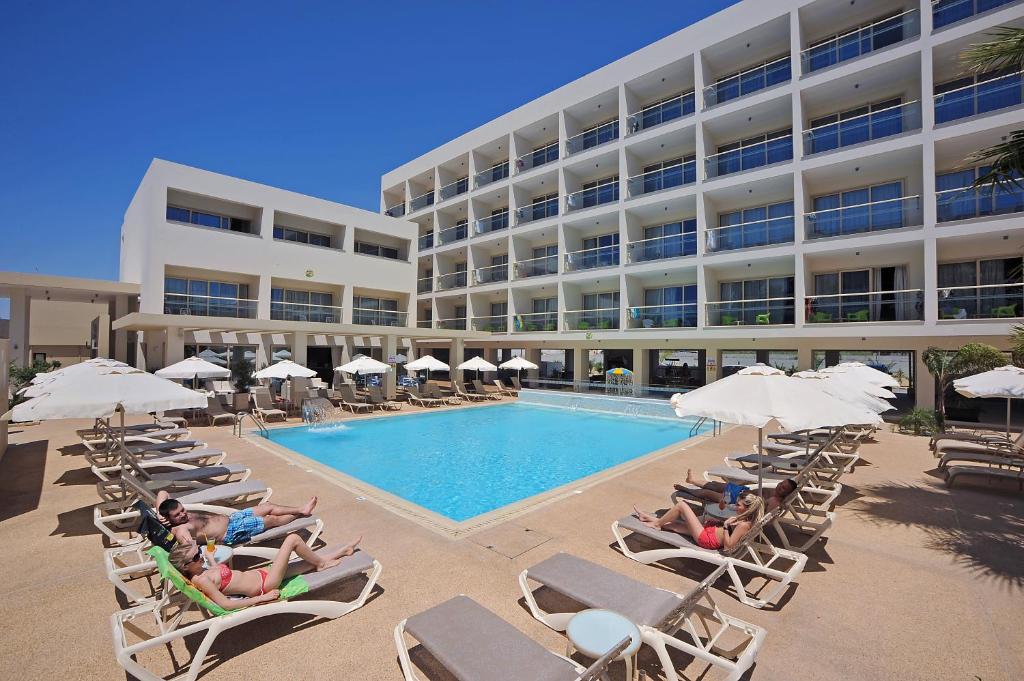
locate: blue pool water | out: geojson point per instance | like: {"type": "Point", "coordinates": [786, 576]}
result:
{"type": "Point", "coordinates": [465, 462]}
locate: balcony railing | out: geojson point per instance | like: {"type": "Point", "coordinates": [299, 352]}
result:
{"type": "Point", "coordinates": [453, 324]}
{"type": "Point", "coordinates": [592, 258]}
{"type": "Point", "coordinates": [424, 323]}
{"type": "Point", "coordinates": [535, 267]}
{"type": "Point", "coordinates": [537, 211]}
{"type": "Point", "coordinates": [490, 274]}
{"type": "Point", "coordinates": [679, 315]}
{"type": "Point", "coordinates": [598, 318]}
{"type": "Point", "coordinates": [537, 158]}
{"type": "Point", "coordinates": [752, 312]}
{"type": "Point", "coordinates": [426, 241]}
{"type": "Point", "coordinates": [664, 178]}
{"type": "Point", "coordinates": [864, 128]}
{"type": "Point", "coordinates": [979, 98]}
{"type": "Point", "coordinates": [491, 223]}
{"type": "Point", "coordinates": [946, 12]}
{"type": "Point", "coordinates": [968, 202]}
{"type": "Point", "coordinates": [765, 232]}
{"type": "Point", "coordinates": [861, 41]}
{"type": "Point", "coordinates": [425, 284]}
{"type": "Point", "coordinates": [592, 196]}
{"type": "Point", "coordinates": [749, 157]}
{"type": "Point", "coordinates": [494, 324]}
{"type": "Point", "coordinates": [446, 282]}
{"type": "Point", "coordinates": [459, 186]}
{"type": "Point", "coordinates": [662, 247]}
{"type": "Point", "coordinates": [395, 211]}
{"type": "Point", "coordinates": [209, 306]}
{"type": "Point", "coordinates": [988, 301]}
{"type": "Point", "coordinates": [662, 112]}
{"type": "Point", "coordinates": [876, 306]}
{"type": "Point", "coordinates": [371, 317]}
{"type": "Point", "coordinates": [877, 216]}
{"type": "Point", "coordinates": [748, 82]}
{"type": "Point", "coordinates": [499, 171]}
{"type": "Point", "coordinates": [450, 235]}
{"type": "Point", "coordinates": [535, 321]}
{"type": "Point", "coordinates": [422, 201]}
{"type": "Point", "coordinates": [304, 312]}
{"type": "Point", "coordinates": [595, 137]}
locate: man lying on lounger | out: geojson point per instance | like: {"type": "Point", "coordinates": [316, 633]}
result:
{"type": "Point", "coordinates": [237, 528]}
{"type": "Point", "coordinates": [724, 493]}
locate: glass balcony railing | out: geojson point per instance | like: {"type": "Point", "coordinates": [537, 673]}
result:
{"type": "Point", "coordinates": [453, 324]}
{"type": "Point", "coordinates": [946, 12]}
{"type": "Point", "coordinates": [662, 247]}
{"type": "Point", "coordinates": [968, 202]}
{"type": "Point", "coordinates": [988, 301]}
{"type": "Point", "coordinates": [861, 41]}
{"type": "Point", "coordinates": [680, 315]}
{"type": "Point", "coordinates": [980, 98]}
{"type": "Point", "coordinates": [754, 312]}
{"type": "Point", "coordinates": [662, 112]}
{"type": "Point", "coordinates": [595, 137]}
{"type": "Point", "coordinates": [778, 230]}
{"type": "Point", "coordinates": [426, 241]}
{"type": "Point", "coordinates": [864, 128]}
{"type": "Point", "coordinates": [303, 312]}
{"type": "Point", "coordinates": [422, 201]}
{"type": "Point", "coordinates": [866, 217]}
{"type": "Point", "coordinates": [395, 211]}
{"type": "Point", "coordinates": [537, 211]}
{"type": "Point", "coordinates": [209, 306]}
{"type": "Point", "coordinates": [877, 306]}
{"type": "Point", "coordinates": [371, 317]}
{"type": "Point", "coordinates": [499, 171]}
{"type": "Point", "coordinates": [592, 258]}
{"type": "Point", "coordinates": [451, 280]}
{"type": "Point", "coordinates": [748, 82]}
{"type": "Point", "coordinates": [537, 158]}
{"type": "Point", "coordinates": [593, 196]}
{"type": "Point", "coordinates": [535, 321]}
{"type": "Point", "coordinates": [425, 284]}
{"type": "Point", "coordinates": [459, 186]}
{"type": "Point", "coordinates": [749, 157]}
{"type": "Point", "coordinates": [598, 319]}
{"type": "Point", "coordinates": [490, 275]}
{"type": "Point", "coordinates": [424, 323]}
{"type": "Point", "coordinates": [450, 235]}
{"type": "Point", "coordinates": [535, 267]}
{"type": "Point", "coordinates": [494, 324]}
{"type": "Point", "coordinates": [664, 178]}
{"type": "Point", "coordinates": [491, 223]}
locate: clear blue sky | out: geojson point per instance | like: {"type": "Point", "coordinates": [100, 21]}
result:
{"type": "Point", "coordinates": [317, 98]}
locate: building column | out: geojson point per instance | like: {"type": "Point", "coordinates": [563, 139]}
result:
{"type": "Point", "coordinates": [263, 298]}
{"type": "Point", "coordinates": [174, 346]}
{"type": "Point", "coordinates": [102, 336]}
{"type": "Point", "coordinates": [924, 383]}
{"type": "Point", "coordinates": [119, 308]}
{"type": "Point", "coordinates": [299, 342]}
{"type": "Point", "coordinates": [533, 354]}
{"type": "Point", "coordinates": [390, 349]}
{"type": "Point", "coordinates": [580, 366]}
{"type": "Point", "coordinates": [21, 308]}
{"type": "Point", "coordinates": [457, 356]}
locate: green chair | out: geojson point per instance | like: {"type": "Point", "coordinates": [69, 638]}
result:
{"type": "Point", "coordinates": [858, 316]}
{"type": "Point", "coordinates": [728, 320]}
{"type": "Point", "coordinates": [1004, 311]}
{"type": "Point", "coordinates": [765, 318]}
{"type": "Point", "coordinates": [820, 317]}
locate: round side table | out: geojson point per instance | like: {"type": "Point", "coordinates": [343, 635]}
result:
{"type": "Point", "coordinates": [221, 554]}
{"type": "Point", "coordinates": [595, 632]}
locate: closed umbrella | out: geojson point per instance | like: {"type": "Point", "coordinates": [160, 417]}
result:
{"type": "Point", "coordinates": [193, 367]}
{"type": "Point", "coordinates": [284, 369]}
{"type": "Point", "coordinates": [476, 364]}
{"type": "Point", "coordinates": [1006, 381]}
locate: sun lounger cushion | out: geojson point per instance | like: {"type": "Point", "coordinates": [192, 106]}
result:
{"type": "Point", "coordinates": [469, 639]}
{"type": "Point", "coordinates": [178, 457]}
{"type": "Point", "coordinates": [743, 475]}
{"type": "Point", "coordinates": [283, 530]}
{"type": "Point", "coordinates": [220, 492]}
{"type": "Point", "coordinates": [633, 524]}
{"type": "Point", "coordinates": [199, 473]}
{"type": "Point", "coordinates": [162, 446]}
{"type": "Point", "coordinates": [793, 464]}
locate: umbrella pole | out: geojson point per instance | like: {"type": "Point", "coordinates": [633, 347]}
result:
{"type": "Point", "coordinates": [1007, 418]}
{"type": "Point", "coordinates": [760, 458]}
{"type": "Point", "coordinates": [124, 452]}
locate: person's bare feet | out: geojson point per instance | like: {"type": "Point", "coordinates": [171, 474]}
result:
{"type": "Point", "coordinates": [335, 558]}
{"type": "Point", "coordinates": [690, 478]}
{"type": "Point", "coordinates": [307, 510]}
{"type": "Point", "coordinates": [646, 518]}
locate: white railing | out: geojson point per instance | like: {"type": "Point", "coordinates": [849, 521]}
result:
{"type": "Point", "coordinates": [424, 323]}
{"type": "Point", "coordinates": [745, 82]}
{"type": "Point", "coordinates": [535, 267]}
{"type": "Point", "coordinates": [451, 280]}
{"type": "Point", "coordinates": [422, 201]}
{"type": "Point", "coordinates": [395, 211]}
{"type": "Point", "coordinates": [454, 188]}
{"type": "Point", "coordinates": [873, 306]}
{"type": "Point", "coordinates": [425, 284]}
{"type": "Point", "coordinates": [678, 315]}
{"type": "Point", "coordinates": [602, 318]}
{"type": "Point", "coordinates": [778, 230]}
{"type": "Point", "coordinates": [662, 247]}
{"type": "Point", "coordinates": [752, 311]}
{"type": "Point", "coordinates": [452, 324]}
{"type": "Point", "coordinates": [862, 40]}
{"type": "Point", "coordinates": [986, 301]}
{"type": "Point", "coordinates": [452, 234]}
{"type": "Point", "coordinates": [606, 192]}
{"type": "Point", "coordinates": [892, 120]}
{"type": "Point", "coordinates": [592, 258]}
{"type": "Point", "coordinates": [492, 324]}
{"type": "Point", "coordinates": [537, 157]}
{"type": "Point", "coordinates": [490, 274]}
{"type": "Point", "coordinates": [593, 137]}
{"type": "Point", "coordinates": [305, 312]}
{"type": "Point", "coordinates": [675, 175]}
{"type": "Point", "coordinates": [998, 92]}
{"type": "Point", "coordinates": [499, 171]}
{"type": "Point", "coordinates": [775, 150]}
{"type": "Point", "coordinates": [425, 241]}
{"type": "Point", "coordinates": [209, 306]}
{"type": "Point", "coordinates": [491, 223]}
{"type": "Point", "coordinates": [876, 216]}
{"type": "Point", "coordinates": [535, 321]}
{"type": "Point", "coordinates": [962, 203]}
{"type": "Point", "coordinates": [661, 112]}
{"type": "Point", "coordinates": [372, 317]}
{"type": "Point", "coordinates": [946, 12]}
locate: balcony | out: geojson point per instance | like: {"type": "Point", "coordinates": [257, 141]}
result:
{"type": "Point", "coordinates": [425, 284]}
{"type": "Point", "coordinates": [656, 114]}
{"type": "Point", "coordinates": [662, 247]}
{"type": "Point", "coordinates": [979, 98]}
{"type": "Point", "coordinates": [946, 12]}
{"type": "Point", "coordinates": [450, 235]}
{"type": "Point", "coordinates": [452, 189]}
{"type": "Point", "coordinates": [493, 324]}
{"type": "Point", "coordinates": [664, 178]}
{"type": "Point", "coordinates": [753, 312]}
{"type": "Point", "coordinates": [499, 171]}
{"type": "Point", "coordinates": [877, 216]}
{"type": "Point", "coordinates": [535, 267]}
{"type": "Point", "coordinates": [680, 315]}
{"type": "Point", "coordinates": [864, 128]}
{"type": "Point", "coordinates": [906, 305]}
{"type": "Point", "coordinates": [395, 211]}
{"type": "Point", "coordinates": [749, 157]}
{"type": "Point", "coordinates": [595, 137]}
{"type": "Point", "coordinates": [537, 211]}
{"type": "Point", "coordinates": [422, 201]}
{"type": "Point", "coordinates": [592, 258]}
{"type": "Point", "coordinates": [748, 82]}
{"type": "Point", "coordinates": [452, 280]}
{"type": "Point", "coordinates": [535, 321]}
{"type": "Point", "coordinates": [538, 157]}
{"type": "Point", "coordinates": [964, 203]}
{"type": "Point", "coordinates": [607, 192]}
{"type": "Point", "coordinates": [209, 306]}
{"type": "Point", "coordinates": [778, 230]}
{"type": "Point", "coordinates": [600, 319]}
{"type": "Point", "coordinates": [490, 275]}
{"type": "Point", "coordinates": [304, 312]}
{"type": "Point", "coordinates": [453, 324]}
{"type": "Point", "coordinates": [424, 323]}
{"type": "Point", "coordinates": [989, 301]}
{"type": "Point", "coordinates": [491, 223]}
{"type": "Point", "coordinates": [861, 41]}
{"type": "Point", "coordinates": [426, 241]}
{"type": "Point", "coordinates": [371, 317]}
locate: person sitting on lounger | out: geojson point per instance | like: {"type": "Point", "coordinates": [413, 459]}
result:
{"type": "Point", "coordinates": [219, 581]}
{"type": "Point", "coordinates": [237, 528]}
{"type": "Point", "coordinates": [724, 493]}
{"type": "Point", "coordinates": [681, 519]}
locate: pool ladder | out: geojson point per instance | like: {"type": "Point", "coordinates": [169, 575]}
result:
{"type": "Point", "coordinates": [236, 429]}
{"type": "Point", "coordinates": [700, 422]}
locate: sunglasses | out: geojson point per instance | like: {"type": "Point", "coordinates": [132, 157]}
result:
{"type": "Point", "coordinates": [197, 557]}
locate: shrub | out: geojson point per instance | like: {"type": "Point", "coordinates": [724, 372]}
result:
{"type": "Point", "coordinates": [241, 375]}
{"type": "Point", "coordinates": [919, 422]}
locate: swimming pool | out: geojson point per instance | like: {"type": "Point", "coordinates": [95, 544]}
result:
{"type": "Point", "coordinates": [465, 462]}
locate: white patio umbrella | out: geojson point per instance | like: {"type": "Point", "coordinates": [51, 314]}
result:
{"type": "Point", "coordinates": [426, 363]}
{"type": "Point", "coordinates": [863, 371]}
{"type": "Point", "coordinates": [364, 365]}
{"type": "Point", "coordinates": [193, 367]}
{"type": "Point", "coordinates": [476, 364]}
{"type": "Point", "coordinates": [284, 369]}
{"type": "Point", "coordinates": [847, 388]}
{"type": "Point", "coordinates": [1006, 381]}
{"type": "Point", "coordinates": [518, 364]}
{"type": "Point", "coordinates": [853, 380]}
{"type": "Point", "coordinates": [89, 367]}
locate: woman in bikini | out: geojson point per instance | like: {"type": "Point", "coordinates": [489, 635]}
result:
{"type": "Point", "coordinates": [219, 582]}
{"type": "Point", "coordinates": [681, 519]}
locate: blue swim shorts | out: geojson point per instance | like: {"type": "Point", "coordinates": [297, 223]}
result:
{"type": "Point", "coordinates": [242, 525]}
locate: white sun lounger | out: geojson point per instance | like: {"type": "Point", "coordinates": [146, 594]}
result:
{"type": "Point", "coordinates": [150, 437]}
{"type": "Point", "coordinates": [1016, 474]}
{"type": "Point", "coordinates": [823, 488]}
{"type": "Point", "coordinates": [182, 470]}
{"type": "Point", "coordinates": [106, 457]}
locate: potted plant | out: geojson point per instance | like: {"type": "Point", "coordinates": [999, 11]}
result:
{"type": "Point", "coordinates": [583, 326]}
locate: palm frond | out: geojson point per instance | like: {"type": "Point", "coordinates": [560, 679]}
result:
{"type": "Point", "coordinates": [1006, 161]}
{"type": "Point", "coordinates": [1006, 51]}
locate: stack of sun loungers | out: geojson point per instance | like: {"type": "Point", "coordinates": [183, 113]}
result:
{"type": "Point", "coordinates": [987, 455]}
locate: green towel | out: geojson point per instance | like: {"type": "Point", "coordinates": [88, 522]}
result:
{"type": "Point", "coordinates": [290, 588]}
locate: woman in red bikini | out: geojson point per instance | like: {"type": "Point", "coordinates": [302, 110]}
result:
{"type": "Point", "coordinates": [681, 519]}
{"type": "Point", "coordinates": [254, 586]}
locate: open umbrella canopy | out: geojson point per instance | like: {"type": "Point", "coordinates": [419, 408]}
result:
{"type": "Point", "coordinates": [284, 369]}
{"type": "Point", "coordinates": [476, 364]}
{"type": "Point", "coordinates": [518, 364]}
{"type": "Point", "coordinates": [863, 372]}
{"type": "Point", "coordinates": [427, 363]}
{"type": "Point", "coordinates": [91, 367]}
{"type": "Point", "coordinates": [364, 365]}
{"type": "Point", "coordinates": [619, 371]}
{"type": "Point", "coordinates": [193, 367]}
{"type": "Point", "coordinates": [1006, 381]}
{"type": "Point", "coordinates": [852, 380]}
{"type": "Point", "coordinates": [847, 388]}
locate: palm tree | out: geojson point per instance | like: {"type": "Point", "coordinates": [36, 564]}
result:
{"type": "Point", "coordinates": [948, 365]}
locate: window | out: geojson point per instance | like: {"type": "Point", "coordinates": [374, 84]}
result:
{"type": "Point", "coordinates": [946, 12]}
{"type": "Point", "coordinates": [759, 226]}
{"type": "Point", "coordinates": [868, 209]}
{"type": "Point", "coordinates": [752, 152]}
{"type": "Point", "coordinates": [207, 298]}
{"type": "Point", "coordinates": [598, 251]}
{"type": "Point", "coordinates": [39, 358]}
{"type": "Point", "coordinates": [600, 311]}
{"type": "Point", "coordinates": [540, 207]}
{"type": "Point", "coordinates": [195, 217]}
{"type": "Point", "coordinates": [671, 240]}
{"type": "Point", "coordinates": [375, 311]}
{"type": "Point", "coordinates": [981, 289]}
{"type": "Point", "coordinates": [860, 124]}
{"type": "Point", "coordinates": [367, 248]}
{"type": "Point", "coordinates": [754, 301]}
{"type": "Point", "coordinates": [544, 154]}
{"type": "Point", "coordinates": [297, 235]}
{"type": "Point", "coordinates": [854, 42]}
{"type": "Point", "coordinates": [674, 172]}
{"type": "Point", "coordinates": [545, 305]}
{"type": "Point", "coordinates": [662, 111]}
{"type": "Point", "coordinates": [754, 78]}
{"type": "Point", "coordinates": [671, 306]}
{"type": "Point", "coordinates": [977, 94]}
{"type": "Point", "coordinates": [595, 193]}
{"type": "Point", "coordinates": [957, 200]}
{"type": "Point", "coordinates": [595, 136]}
{"type": "Point", "coordinates": [303, 306]}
